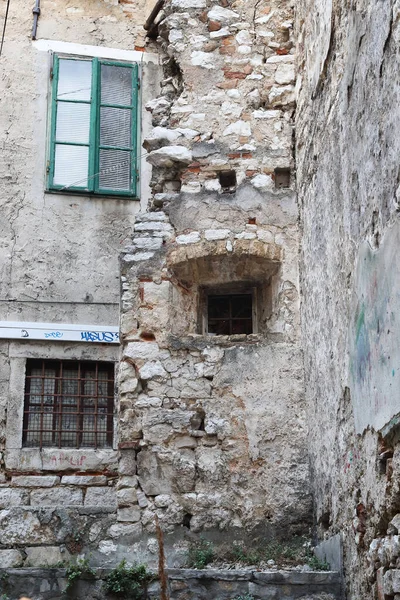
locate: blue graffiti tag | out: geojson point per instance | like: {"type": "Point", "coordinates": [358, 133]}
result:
{"type": "Point", "coordinates": [53, 334]}
{"type": "Point", "coordinates": [99, 336]}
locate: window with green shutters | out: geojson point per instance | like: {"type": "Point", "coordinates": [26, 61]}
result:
{"type": "Point", "coordinates": [93, 145]}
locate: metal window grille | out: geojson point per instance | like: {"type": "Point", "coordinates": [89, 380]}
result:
{"type": "Point", "coordinates": [68, 404]}
{"type": "Point", "coordinates": [230, 314]}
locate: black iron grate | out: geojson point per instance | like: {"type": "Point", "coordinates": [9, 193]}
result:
{"type": "Point", "coordinates": [68, 404]}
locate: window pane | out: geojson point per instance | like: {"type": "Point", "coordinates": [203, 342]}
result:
{"type": "Point", "coordinates": [242, 306]}
{"type": "Point", "coordinates": [115, 127]}
{"type": "Point", "coordinates": [73, 122]}
{"type": "Point", "coordinates": [76, 416]}
{"type": "Point", "coordinates": [115, 170]}
{"type": "Point", "coordinates": [218, 307]}
{"type": "Point", "coordinates": [230, 314]}
{"type": "Point", "coordinates": [74, 79]}
{"type": "Point", "coordinates": [116, 85]}
{"type": "Point", "coordinates": [242, 326]}
{"type": "Point", "coordinates": [71, 166]}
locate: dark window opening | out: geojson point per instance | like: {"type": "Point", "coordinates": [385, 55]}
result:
{"type": "Point", "coordinates": [68, 404]}
{"type": "Point", "coordinates": [282, 178]}
{"type": "Point", "coordinates": [230, 314]}
{"type": "Point", "coordinates": [227, 180]}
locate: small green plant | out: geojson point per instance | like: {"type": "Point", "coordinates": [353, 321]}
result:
{"type": "Point", "coordinates": [127, 582]}
{"type": "Point", "coordinates": [200, 554]}
{"type": "Point", "coordinates": [244, 597]}
{"type": "Point", "coordinates": [318, 565]}
{"type": "Point", "coordinates": [3, 585]}
{"type": "Point", "coordinates": [78, 569]}
{"type": "Point", "coordinates": [248, 557]}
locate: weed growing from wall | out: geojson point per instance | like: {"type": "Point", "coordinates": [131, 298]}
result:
{"type": "Point", "coordinates": [127, 582]}
{"type": "Point", "coordinates": [76, 570]}
{"type": "Point", "coordinates": [200, 554]}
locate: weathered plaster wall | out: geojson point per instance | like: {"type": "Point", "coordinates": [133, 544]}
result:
{"type": "Point", "coordinates": [347, 170]}
{"type": "Point", "coordinates": [217, 422]}
{"type": "Point", "coordinates": [58, 263]}
{"type": "Point", "coordinates": [49, 240]}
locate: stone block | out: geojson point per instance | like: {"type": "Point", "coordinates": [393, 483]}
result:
{"type": "Point", "coordinates": [10, 559]}
{"type": "Point", "coordinates": [216, 234]}
{"type": "Point", "coordinates": [101, 496]}
{"type": "Point", "coordinates": [391, 582]}
{"type": "Point", "coordinates": [127, 481]}
{"type": "Point", "coordinates": [221, 14]}
{"type": "Point", "coordinates": [155, 476]}
{"type": "Point", "coordinates": [153, 226]}
{"type": "Point", "coordinates": [61, 496]}
{"type": "Point", "coordinates": [151, 370]}
{"type": "Point", "coordinates": [148, 243]}
{"type": "Point", "coordinates": [183, 4]}
{"type": "Point", "coordinates": [130, 514]}
{"type": "Point", "coordinates": [45, 556]}
{"type": "Point", "coordinates": [142, 350]}
{"type": "Point", "coordinates": [84, 480]}
{"type": "Point", "coordinates": [142, 500]}
{"type": "Point", "coordinates": [119, 530]}
{"type": "Point", "coordinates": [85, 460]}
{"type": "Point", "coordinates": [127, 463]}
{"type": "Point", "coordinates": [10, 497]}
{"type": "Point", "coordinates": [126, 497]}
{"type": "Point", "coordinates": [35, 481]}
{"type": "Point", "coordinates": [23, 526]}
{"type": "Point", "coordinates": [168, 156]}
{"type": "Point", "coordinates": [190, 238]}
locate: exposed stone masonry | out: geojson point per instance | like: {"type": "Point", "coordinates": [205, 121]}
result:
{"type": "Point", "coordinates": [216, 423]}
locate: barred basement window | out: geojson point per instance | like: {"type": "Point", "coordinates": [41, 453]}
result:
{"type": "Point", "coordinates": [93, 142]}
{"type": "Point", "coordinates": [229, 309]}
{"type": "Point", "coordinates": [68, 404]}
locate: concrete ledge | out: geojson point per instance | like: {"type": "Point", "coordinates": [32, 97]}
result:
{"type": "Point", "coordinates": [185, 584]}
{"type": "Point", "coordinates": [216, 574]}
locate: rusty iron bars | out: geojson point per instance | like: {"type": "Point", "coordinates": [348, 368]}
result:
{"type": "Point", "coordinates": [68, 404]}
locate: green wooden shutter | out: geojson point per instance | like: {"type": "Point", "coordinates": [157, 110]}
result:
{"type": "Point", "coordinates": [94, 127]}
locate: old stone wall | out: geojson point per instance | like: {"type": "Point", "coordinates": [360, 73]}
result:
{"type": "Point", "coordinates": [49, 584]}
{"type": "Point", "coordinates": [347, 174]}
{"type": "Point", "coordinates": [216, 423]}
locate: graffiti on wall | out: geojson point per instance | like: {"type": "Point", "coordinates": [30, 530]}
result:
{"type": "Point", "coordinates": [375, 334]}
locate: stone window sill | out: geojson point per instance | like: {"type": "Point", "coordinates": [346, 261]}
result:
{"type": "Point", "coordinates": [200, 341]}
{"type": "Point", "coordinates": [59, 459]}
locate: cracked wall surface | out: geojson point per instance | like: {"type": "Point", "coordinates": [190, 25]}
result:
{"type": "Point", "coordinates": [347, 176]}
